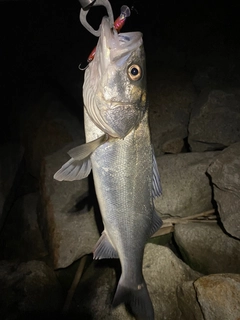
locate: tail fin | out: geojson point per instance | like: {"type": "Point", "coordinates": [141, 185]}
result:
{"type": "Point", "coordinates": [137, 299]}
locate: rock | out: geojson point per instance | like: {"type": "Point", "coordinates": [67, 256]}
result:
{"type": "Point", "coordinates": [185, 186]}
{"type": "Point", "coordinates": [209, 127]}
{"type": "Point", "coordinates": [163, 273]}
{"type": "Point", "coordinates": [219, 296]}
{"type": "Point", "coordinates": [206, 248]}
{"type": "Point", "coordinates": [11, 171]}
{"type": "Point", "coordinates": [187, 301]}
{"type": "Point", "coordinates": [68, 225]}
{"type": "Point", "coordinates": [170, 97]}
{"type": "Point", "coordinates": [21, 237]}
{"type": "Point", "coordinates": [225, 176]}
{"type": "Point", "coordinates": [28, 287]}
{"type": "Point", "coordinates": [173, 146]}
{"type": "Point", "coordinates": [47, 126]}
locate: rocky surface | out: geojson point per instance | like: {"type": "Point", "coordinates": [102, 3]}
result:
{"type": "Point", "coordinates": [225, 176]}
{"type": "Point", "coordinates": [186, 187]}
{"type": "Point", "coordinates": [21, 238]}
{"type": "Point", "coordinates": [211, 115]}
{"type": "Point", "coordinates": [66, 216]}
{"type": "Point", "coordinates": [206, 248]}
{"type": "Point", "coordinates": [219, 296]}
{"type": "Point", "coordinates": [163, 273]}
{"type": "Point", "coordinates": [29, 288]}
{"type": "Point", "coordinates": [11, 171]}
{"type": "Point", "coordinates": [169, 110]}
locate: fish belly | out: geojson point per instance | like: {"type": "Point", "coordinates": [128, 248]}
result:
{"type": "Point", "coordinates": [122, 171]}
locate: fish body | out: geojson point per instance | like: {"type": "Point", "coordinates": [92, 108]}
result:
{"type": "Point", "coordinates": [121, 156]}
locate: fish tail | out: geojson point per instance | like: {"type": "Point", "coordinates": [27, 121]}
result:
{"type": "Point", "coordinates": [137, 299]}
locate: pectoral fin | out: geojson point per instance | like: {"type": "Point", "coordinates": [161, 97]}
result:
{"type": "Point", "coordinates": [104, 249]}
{"type": "Point", "coordinates": [156, 183]}
{"type": "Point", "coordinates": [85, 150]}
{"type": "Point", "coordinates": [73, 170]}
{"type": "Point", "coordinates": [79, 166]}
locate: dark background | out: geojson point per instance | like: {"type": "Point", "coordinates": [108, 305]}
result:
{"type": "Point", "coordinates": [43, 42]}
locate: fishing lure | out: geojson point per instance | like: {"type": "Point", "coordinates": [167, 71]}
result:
{"type": "Point", "coordinates": [125, 12]}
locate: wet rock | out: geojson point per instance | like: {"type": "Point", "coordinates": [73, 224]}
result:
{"type": "Point", "coordinates": [66, 216]}
{"type": "Point", "coordinates": [225, 176]}
{"type": "Point", "coordinates": [206, 248]}
{"type": "Point", "coordinates": [219, 296]}
{"type": "Point", "coordinates": [163, 273]}
{"type": "Point", "coordinates": [211, 115]}
{"type": "Point", "coordinates": [185, 186]}
{"type": "Point", "coordinates": [28, 287]}
{"type": "Point", "coordinates": [11, 171]}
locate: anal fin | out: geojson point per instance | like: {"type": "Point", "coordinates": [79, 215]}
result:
{"type": "Point", "coordinates": [103, 249]}
{"type": "Point", "coordinates": [156, 183]}
{"type": "Point", "coordinates": [156, 223]}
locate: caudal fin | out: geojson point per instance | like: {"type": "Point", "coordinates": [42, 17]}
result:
{"type": "Point", "coordinates": [137, 299]}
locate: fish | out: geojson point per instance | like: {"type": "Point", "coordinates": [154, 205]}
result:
{"type": "Point", "coordinates": [119, 152]}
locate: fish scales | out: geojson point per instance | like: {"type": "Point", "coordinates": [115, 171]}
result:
{"type": "Point", "coordinates": [118, 149]}
{"type": "Point", "coordinates": [129, 162]}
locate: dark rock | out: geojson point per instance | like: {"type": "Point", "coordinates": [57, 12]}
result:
{"type": "Point", "coordinates": [225, 176]}
{"type": "Point", "coordinates": [170, 97]}
{"type": "Point", "coordinates": [219, 296]}
{"type": "Point", "coordinates": [21, 238]}
{"type": "Point", "coordinates": [185, 187]}
{"type": "Point", "coordinates": [206, 248]}
{"type": "Point", "coordinates": [46, 127]}
{"type": "Point", "coordinates": [66, 215]}
{"type": "Point", "coordinates": [215, 121]}
{"type": "Point", "coordinates": [187, 301]}
{"type": "Point", "coordinates": [28, 287]}
{"type": "Point", "coordinates": [163, 273]}
{"type": "Point", "coordinates": [11, 171]}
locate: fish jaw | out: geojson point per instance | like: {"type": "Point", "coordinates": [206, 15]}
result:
{"type": "Point", "coordinates": [114, 101]}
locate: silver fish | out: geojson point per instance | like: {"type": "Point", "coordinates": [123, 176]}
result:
{"type": "Point", "coordinates": [118, 149]}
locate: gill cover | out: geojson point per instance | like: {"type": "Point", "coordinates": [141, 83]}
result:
{"type": "Point", "coordinates": [114, 89]}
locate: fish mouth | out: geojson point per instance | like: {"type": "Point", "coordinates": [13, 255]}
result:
{"type": "Point", "coordinates": [120, 45]}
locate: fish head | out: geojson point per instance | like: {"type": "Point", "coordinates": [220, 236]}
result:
{"type": "Point", "coordinates": [114, 89]}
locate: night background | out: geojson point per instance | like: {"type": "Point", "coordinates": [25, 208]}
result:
{"type": "Point", "coordinates": [43, 42]}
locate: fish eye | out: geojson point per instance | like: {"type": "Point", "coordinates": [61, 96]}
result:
{"type": "Point", "coordinates": [134, 72]}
